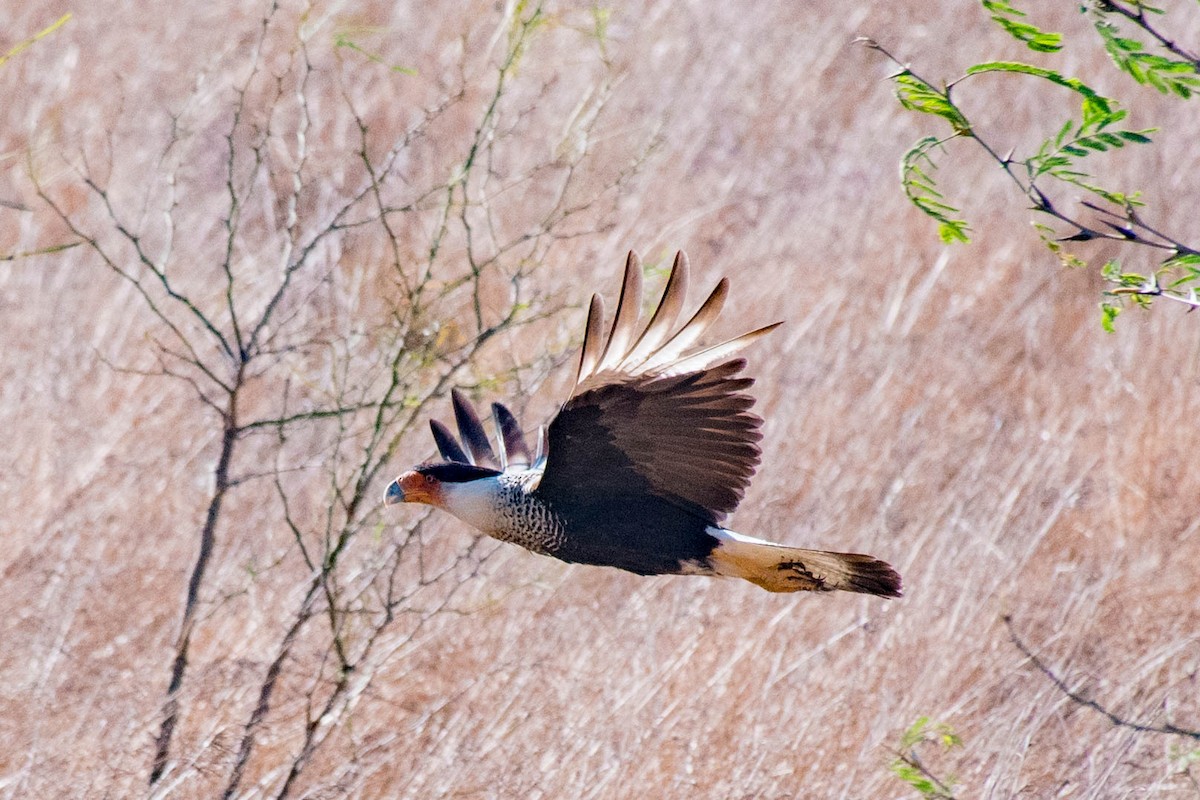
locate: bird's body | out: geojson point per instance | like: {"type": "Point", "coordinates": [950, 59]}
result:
{"type": "Point", "coordinates": [653, 449]}
{"type": "Point", "coordinates": [611, 531]}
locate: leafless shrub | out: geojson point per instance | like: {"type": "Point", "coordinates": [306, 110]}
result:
{"type": "Point", "coordinates": [308, 383]}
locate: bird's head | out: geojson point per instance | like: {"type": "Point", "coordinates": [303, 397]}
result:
{"type": "Point", "coordinates": [429, 483]}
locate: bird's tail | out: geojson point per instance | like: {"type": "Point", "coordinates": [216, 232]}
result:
{"type": "Point", "coordinates": [789, 569]}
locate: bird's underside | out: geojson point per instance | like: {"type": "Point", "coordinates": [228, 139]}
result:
{"type": "Point", "coordinates": [654, 448]}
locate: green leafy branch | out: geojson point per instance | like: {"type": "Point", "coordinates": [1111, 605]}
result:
{"type": "Point", "coordinates": [909, 767]}
{"type": "Point", "coordinates": [1055, 157]}
{"type": "Point", "coordinates": [917, 165]}
{"type": "Point", "coordinates": [916, 176]}
{"type": "Point", "coordinates": [1061, 158]}
{"type": "Point", "coordinates": [1170, 75]}
{"type": "Point", "coordinates": [1176, 280]}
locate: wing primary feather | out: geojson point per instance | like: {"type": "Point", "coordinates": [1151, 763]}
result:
{"type": "Point", "coordinates": [501, 445]}
{"type": "Point", "coordinates": [447, 445]}
{"type": "Point", "coordinates": [692, 330]}
{"type": "Point", "coordinates": [665, 316]}
{"type": "Point", "coordinates": [700, 360]}
{"type": "Point", "coordinates": [625, 320]}
{"type": "Point", "coordinates": [592, 339]}
{"type": "Point", "coordinates": [510, 437]}
{"type": "Point", "coordinates": [471, 431]}
{"type": "Point", "coordinates": [540, 453]}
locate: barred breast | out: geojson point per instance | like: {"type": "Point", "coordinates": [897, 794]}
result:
{"type": "Point", "coordinates": [522, 518]}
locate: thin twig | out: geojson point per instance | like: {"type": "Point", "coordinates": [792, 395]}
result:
{"type": "Point", "coordinates": [1062, 686]}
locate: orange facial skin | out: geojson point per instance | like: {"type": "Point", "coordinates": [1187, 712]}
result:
{"type": "Point", "coordinates": [413, 487]}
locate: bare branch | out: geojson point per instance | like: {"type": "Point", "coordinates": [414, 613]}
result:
{"type": "Point", "coordinates": [1061, 685]}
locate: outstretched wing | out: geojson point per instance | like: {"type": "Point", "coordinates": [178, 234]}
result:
{"type": "Point", "coordinates": [650, 416]}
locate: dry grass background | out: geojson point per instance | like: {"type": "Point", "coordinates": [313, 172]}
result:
{"type": "Point", "coordinates": [958, 412]}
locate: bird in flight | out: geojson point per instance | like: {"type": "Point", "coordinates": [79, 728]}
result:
{"type": "Point", "coordinates": [653, 449]}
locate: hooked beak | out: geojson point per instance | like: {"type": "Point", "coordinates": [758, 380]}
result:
{"type": "Point", "coordinates": [411, 487]}
{"type": "Point", "coordinates": [394, 494]}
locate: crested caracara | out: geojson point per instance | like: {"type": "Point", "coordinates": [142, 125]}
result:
{"type": "Point", "coordinates": [654, 447]}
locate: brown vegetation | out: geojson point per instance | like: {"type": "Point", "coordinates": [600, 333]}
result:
{"type": "Point", "coordinates": [956, 412]}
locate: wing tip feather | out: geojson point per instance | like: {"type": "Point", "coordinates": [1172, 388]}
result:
{"type": "Point", "coordinates": [659, 348]}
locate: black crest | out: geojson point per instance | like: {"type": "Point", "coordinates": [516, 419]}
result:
{"type": "Point", "coordinates": [454, 472]}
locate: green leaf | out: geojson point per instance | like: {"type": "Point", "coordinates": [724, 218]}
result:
{"type": "Point", "coordinates": [1099, 102]}
{"type": "Point", "coordinates": [1009, 17]}
{"type": "Point", "coordinates": [916, 95]}
{"type": "Point", "coordinates": [1062, 133]}
{"type": "Point", "coordinates": [954, 231]}
{"type": "Point", "coordinates": [916, 168]}
{"type": "Point", "coordinates": [915, 733]}
{"type": "Point", "coordinates": [1109, 314]}
{"type": "Point", "coordinates": [908, 767]}
{"type": "Point", "coordinates": [1186, 259]}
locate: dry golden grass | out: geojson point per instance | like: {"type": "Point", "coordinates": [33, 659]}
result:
{"type": "Point", "coordinates": [957, 412]}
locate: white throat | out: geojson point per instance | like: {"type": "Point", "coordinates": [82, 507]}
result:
{"type": "Point", "coordinates": [474, 502]}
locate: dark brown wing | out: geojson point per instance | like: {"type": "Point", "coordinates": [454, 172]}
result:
{"type": "Point", "coordinates": [649, 417]}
